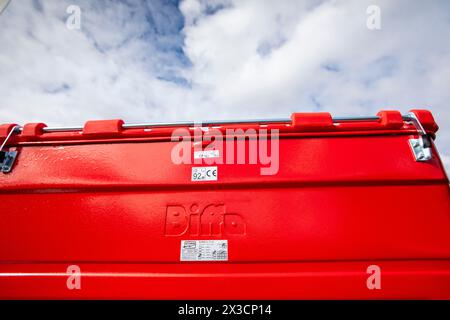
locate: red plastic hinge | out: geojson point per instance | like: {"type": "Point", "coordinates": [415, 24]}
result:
{"type": "Point", "coordinates": [391, 119]}
{"type": "Point", "coordinates": [312, 121]}
{"type": "Point", "coordinates": [31, 130]}
{"type": "Point", "coordinates": [5, 129]}
{"type": "Point", "coordinates": [104, 128]}
{"type": "Point", "coordinates": [426, 119]}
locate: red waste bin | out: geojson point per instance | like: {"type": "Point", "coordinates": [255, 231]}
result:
{"type": "Point", "coordinates": [311, 207]}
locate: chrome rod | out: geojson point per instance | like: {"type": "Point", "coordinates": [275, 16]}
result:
{"type": "Point", "coordinates": [347, 119]}
{"type": "Point", "coordinates": [61, 129]}
{"type": "Point", "coordinates": [218, 122]}
{"type": "Point", "coordinates": [237, 121]}
{"type": "Point", "coordinates": [201, 123]}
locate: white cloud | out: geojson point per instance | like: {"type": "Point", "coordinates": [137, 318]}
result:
{"type": "Point", "coordinates": [232, 59]}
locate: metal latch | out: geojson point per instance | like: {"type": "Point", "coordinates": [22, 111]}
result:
{"type": "Point", "coordinates": [7, 158]}
{"type": "Point", "coordinates": [421, 147]}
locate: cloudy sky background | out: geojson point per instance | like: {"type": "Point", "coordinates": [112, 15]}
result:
{"type": "Point", "coordinates": [170, 61]}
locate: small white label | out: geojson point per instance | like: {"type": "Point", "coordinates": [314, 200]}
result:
{"type": "Point", "coordinates": [204, 174]}
{"type": "Point", "coordinates": [204, 250]}
{"type": "Point", "coordinates": [206, 154]}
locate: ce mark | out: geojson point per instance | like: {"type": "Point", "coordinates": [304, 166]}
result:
{"type": "Point", "coordinates": [204, 173]}
{"type": "Point", "coordinates": [211, 173]}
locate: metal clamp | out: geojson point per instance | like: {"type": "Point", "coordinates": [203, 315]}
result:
{"type": "Point", "coordinates": [7, 158]}
{"type": "Point", "coordinates": [421, 147]}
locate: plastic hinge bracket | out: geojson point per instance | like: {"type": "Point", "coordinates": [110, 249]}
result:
{"type": "Point", "coordinates": [7, 158]}
{"type": "Point", "coordinates": [421, 147]}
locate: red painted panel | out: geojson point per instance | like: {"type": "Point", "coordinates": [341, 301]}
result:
{"type": "Point", "coordinates": [375, 159]}
{"type": "Point", "coordinates": [312, 280]}
{"type": "Point", "coordinates": [272, 224]}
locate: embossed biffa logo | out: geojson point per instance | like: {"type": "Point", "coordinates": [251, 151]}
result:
{"type": "Point", "coordinates": [207, 220]}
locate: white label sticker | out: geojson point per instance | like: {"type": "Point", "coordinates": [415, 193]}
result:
{"type": "Point", "coordinates": [206, 154]}
{"type": "Point", "coordinates": [204, 174]}
{"type": "Point", "coordinates": [204, 250]}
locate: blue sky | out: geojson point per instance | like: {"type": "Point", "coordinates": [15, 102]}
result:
{"type": "Point", "coordinates": [219, 59]}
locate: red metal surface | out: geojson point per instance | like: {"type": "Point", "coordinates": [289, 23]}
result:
{"type": "Point", "coordinates": [103, 128]}
{"type": "Point", "coordinates": [115, 205]}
